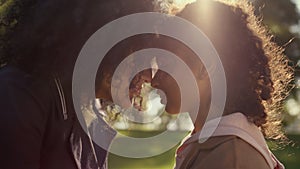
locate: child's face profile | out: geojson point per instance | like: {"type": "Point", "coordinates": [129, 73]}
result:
{"type": "Point", "coordinates": [166, 82]}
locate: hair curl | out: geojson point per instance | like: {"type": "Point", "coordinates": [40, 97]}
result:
{"type": "Point", "coordinates": [257, 71]}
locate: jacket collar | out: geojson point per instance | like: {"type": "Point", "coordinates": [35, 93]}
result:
{"type": "Point", "coordinates": [237, 124]}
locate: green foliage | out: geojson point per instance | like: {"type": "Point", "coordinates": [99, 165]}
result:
{"type": "Point", "coordinates": [279, 16]}
{"type": "Point", "coordinates": [165, 160]}
{"type": "Point", "coordinates": [10, 13]}
{"type": "Point", "coordinates": [289, 155]}
{"type": "Point", "coordinates": [8, 20]}
{"type": "Point", "coordinates": [281, 12]}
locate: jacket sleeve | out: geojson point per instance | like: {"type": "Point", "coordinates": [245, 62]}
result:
{"type": "Point", "coordinates": [22, 124]}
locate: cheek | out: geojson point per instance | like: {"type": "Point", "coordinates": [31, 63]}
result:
{"type": "Point", "coordinates": [169, 86]}
{"type": "Point", "coordinates": [204, 91]}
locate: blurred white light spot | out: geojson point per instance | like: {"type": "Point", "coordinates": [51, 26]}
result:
{"type": "Point", "coordinates": [298, 63]}
{"type": "Point", "coordinates": [121, 125]}
{"type": "Point", "coordinates": [293, 107]}
{"type": "Point", "coordinates": [297, 81]}
{"type": "Point", "coordinates": [182, 123]}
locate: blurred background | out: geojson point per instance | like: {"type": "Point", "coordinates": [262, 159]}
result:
{"type": "Point", "coordinates": [282, 17]}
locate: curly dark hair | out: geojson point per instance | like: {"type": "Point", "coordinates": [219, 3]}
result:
{"type": "Point", "coordinates": [45, 36]}
{"type": "Point", "coordinates": [257, 71]}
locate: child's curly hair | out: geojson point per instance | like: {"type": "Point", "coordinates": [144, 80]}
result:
{"type": "Point", "coordinates": [257, 71]}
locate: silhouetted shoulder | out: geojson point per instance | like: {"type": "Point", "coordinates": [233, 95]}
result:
{"type": "Point", "coordinates": [227, 152]}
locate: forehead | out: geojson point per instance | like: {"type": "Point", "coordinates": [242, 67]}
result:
{"type": "Point", "coordinates": [129, 47]}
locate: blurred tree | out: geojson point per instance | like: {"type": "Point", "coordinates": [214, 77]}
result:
{"type": "Point", "coordinates": [6, 23]}
{"type": "Point", "coordinates": [282, 17]}
{"type": "Point", "coordinates": [10, 12]}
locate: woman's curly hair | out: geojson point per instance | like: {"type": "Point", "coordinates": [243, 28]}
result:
{"type": "Point", "coordinates": [257, 71]}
